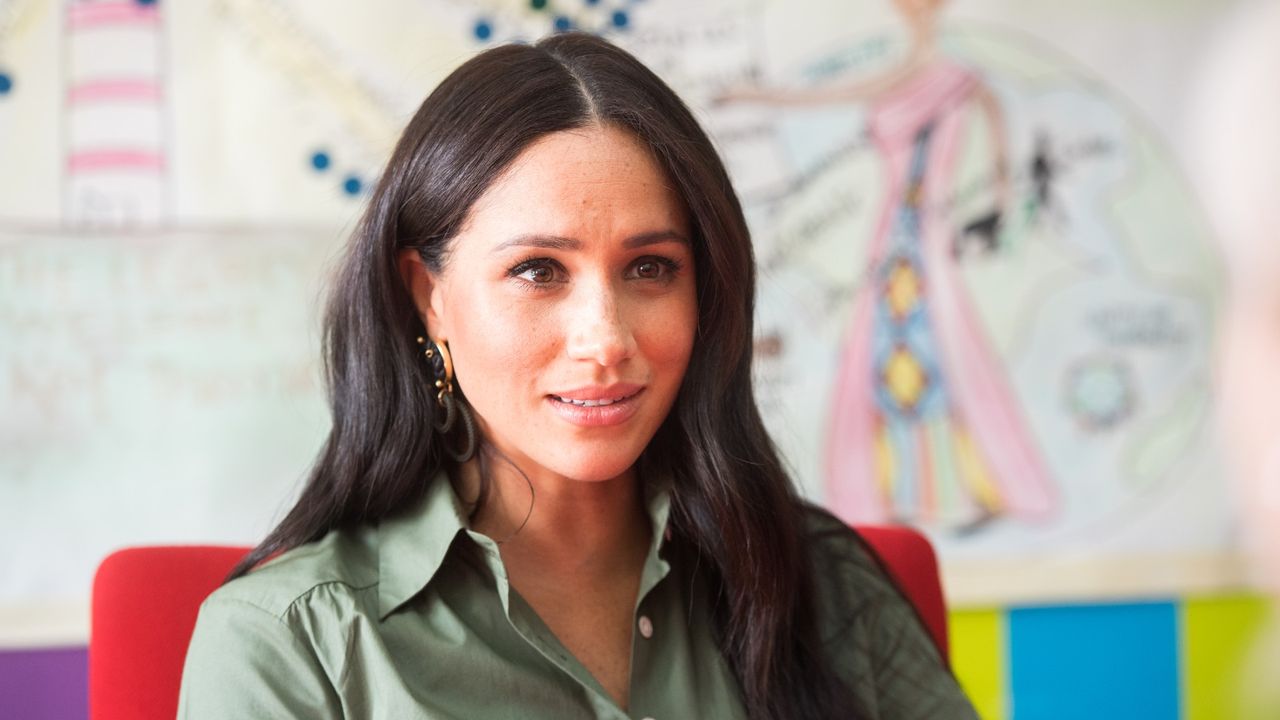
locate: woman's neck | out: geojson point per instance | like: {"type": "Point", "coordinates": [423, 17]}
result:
{"type": "Point", "coordinates": [561, 525]}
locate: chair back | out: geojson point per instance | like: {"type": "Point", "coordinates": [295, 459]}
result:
{"type": "Point", "coordinates": [145, 602]}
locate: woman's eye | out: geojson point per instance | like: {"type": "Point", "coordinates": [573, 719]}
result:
{"type": "Point", "coordinates": [537, 272]}
{"type": "Point", "coordinates": [649, 269]}
{"type": "Point", "coordinates": [540, 274]}
{"type": "Point", "coordinates": [655, 268]}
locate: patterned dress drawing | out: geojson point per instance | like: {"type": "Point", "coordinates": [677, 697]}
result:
{"type": "Point", "coordinates": [924, 426]}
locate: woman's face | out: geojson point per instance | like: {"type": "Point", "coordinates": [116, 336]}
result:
{"type": "Point", "coordinates": [569, 304]}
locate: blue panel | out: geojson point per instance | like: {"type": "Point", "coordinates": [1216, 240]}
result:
{"type": "Point", "coordinates": [1097, 662]}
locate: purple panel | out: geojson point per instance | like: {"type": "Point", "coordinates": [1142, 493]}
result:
{"type": "Point", "coordinates": [45, 684]}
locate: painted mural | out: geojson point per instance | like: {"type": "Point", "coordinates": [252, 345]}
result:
{"type": "Point", "coordinates": [987, 305]}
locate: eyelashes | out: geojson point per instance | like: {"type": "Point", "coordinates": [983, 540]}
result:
{"type": "Point", "coordinates": [668, 268]}
{"type": "Point", "coordinates": [544, 273]}
{"type": "Point", "coordinates": [538, 271]}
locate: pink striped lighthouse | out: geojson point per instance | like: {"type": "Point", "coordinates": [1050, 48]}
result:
{"type": "Point", "coordinates": [116, 167]}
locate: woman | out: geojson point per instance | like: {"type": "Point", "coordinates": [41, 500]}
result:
{"type": "Point", "coordinates": [600, 526]}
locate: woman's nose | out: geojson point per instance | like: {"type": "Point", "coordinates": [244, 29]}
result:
{"type": "Point", "coordinates": [597, 329]}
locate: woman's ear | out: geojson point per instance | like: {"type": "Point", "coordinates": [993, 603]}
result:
{"type": "Point", "coordinates": [427, 291]}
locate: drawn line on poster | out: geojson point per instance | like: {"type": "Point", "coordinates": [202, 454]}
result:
{"type": "Point", "coordinates": [83, 15]}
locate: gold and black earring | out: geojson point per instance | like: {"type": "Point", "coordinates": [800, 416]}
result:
{"type": "Point", "coordinates": [450, 409]}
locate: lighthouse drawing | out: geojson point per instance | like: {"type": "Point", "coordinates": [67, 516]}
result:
{"type": "Point", "coordinates": [114, 125]}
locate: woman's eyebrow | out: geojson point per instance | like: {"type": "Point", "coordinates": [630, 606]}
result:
{"type": "Point", "coordinates": [552, 242]}
{"type": "Point", "coordinates": [654, 238]}
{"type": "Point", "coordinates": [556, 242]}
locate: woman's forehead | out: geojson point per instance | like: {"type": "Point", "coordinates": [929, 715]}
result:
{"type": "Point", "coordinates": [595, 154]}
{"type": "Point", "coordinates": [597, 179]}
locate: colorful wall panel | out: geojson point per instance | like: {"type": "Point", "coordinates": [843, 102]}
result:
{"type": "Point", "coordinates": [1226, 645]}
{"type": "Point", "coordinates": [44, 684]}
{"type": "Point", "coordinates": [1109, 661]}
{"type": "Point", "coordinates": [1193, 659]}
{"type": "Point", "coordinates": [979, 658]}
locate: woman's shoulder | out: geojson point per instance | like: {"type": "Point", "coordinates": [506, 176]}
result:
{"type": "Point", "coordinates": [342, 563]}
{"type": "Point", "coordinates": [852, 587]}
{"type": "Point", "coordinates": [270, 635]}
{"type": "Point", "coordinates": [872, 632]}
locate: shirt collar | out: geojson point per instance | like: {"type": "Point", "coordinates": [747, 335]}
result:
{"type": "Point", "coordinates": [412, 546]}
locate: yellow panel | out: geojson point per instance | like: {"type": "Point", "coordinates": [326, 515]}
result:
{"type": "Point", "coordinates": [1229, 659]}
{"type": "Point", "coordinates": [978, 658]}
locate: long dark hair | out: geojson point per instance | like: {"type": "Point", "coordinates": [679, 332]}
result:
{"type": "Point", "coordinates": [733, 504]}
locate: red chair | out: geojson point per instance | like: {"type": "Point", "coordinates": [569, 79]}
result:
{"type": "Point", "coordinates": [145, 602]}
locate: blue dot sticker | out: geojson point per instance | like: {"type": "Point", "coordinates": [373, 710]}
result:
{"type": "Point", "coordinates": [538, 4]}
{"type": "Point", "coordinates": [6, 83]}
{"type": "Point", "coordinates": [146, 3]}
{"type": "Point", "coordinates": [563, 23]}
{"type": "Point", "coordinates": [320, 160]}
{"type": "Point", "coordinates": [352, 185]}
{"type": "Point", "coordinates": [592, 2]}
{"type": "Point", "coordinates": [620, 19]}
{"type": "Point", "coordinates": [483, 30]}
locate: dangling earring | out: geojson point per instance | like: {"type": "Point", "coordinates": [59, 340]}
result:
{"type": "Point", "coordinates": [441, 363]}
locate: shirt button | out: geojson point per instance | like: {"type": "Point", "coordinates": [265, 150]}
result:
{"type": "Point", "coordinates": [646, 626]}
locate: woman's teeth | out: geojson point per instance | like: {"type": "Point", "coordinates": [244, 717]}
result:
{"type": "Point", "coordinates": [590, 403]}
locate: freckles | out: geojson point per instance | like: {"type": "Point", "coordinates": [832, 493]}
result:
{"type": "Point", "coordinates": [517, 334]}
{"type": "Point", "coordinates": [668, 331]}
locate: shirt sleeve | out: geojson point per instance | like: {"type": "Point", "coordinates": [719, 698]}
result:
{"type": "Point", "coordinates": [245, 662]}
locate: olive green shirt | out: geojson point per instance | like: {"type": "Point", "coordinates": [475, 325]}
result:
{"type": "Point", "coordinates": [415, 618]}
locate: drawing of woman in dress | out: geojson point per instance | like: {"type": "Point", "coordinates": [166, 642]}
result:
{"type": "Point", "coordinates": [924, 426]}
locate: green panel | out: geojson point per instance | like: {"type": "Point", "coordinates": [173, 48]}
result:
{"type": "Point", "coordinates": [1228, 667]}
{"type": "Point", "coordinates": [978, 658]}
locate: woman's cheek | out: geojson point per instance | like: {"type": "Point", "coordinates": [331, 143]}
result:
{"type": "Point", "coordinates": [491, 336]}
{"type": "Point", "coordinates": [674, 324]}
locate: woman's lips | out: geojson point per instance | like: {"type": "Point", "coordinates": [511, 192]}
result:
{"type": "Point", "coordinates": [612, 409]}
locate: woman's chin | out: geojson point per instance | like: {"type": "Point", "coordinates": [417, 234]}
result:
{"type": "Point", "coordinates": [594, 470]}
